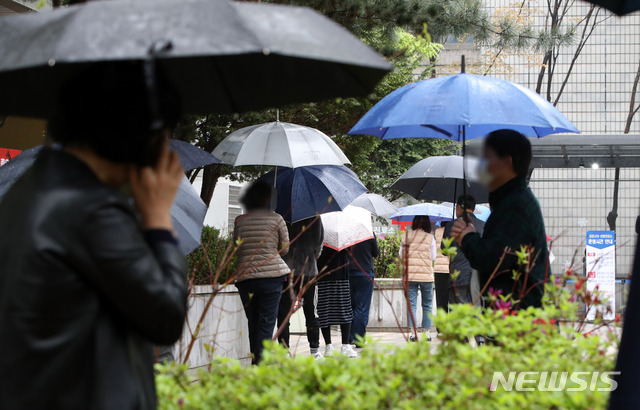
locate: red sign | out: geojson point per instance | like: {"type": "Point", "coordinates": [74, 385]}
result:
{"type": "Point", "coordinates": [591, 275]}
{"type": "Point", "coordinates": [591, 254]}
{"type": "Point", "coordinates": [7, 154]}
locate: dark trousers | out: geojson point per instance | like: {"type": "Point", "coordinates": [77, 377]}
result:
{"type": "Point", "coordinates": [345, 331]}
{"type": "Point", "coordinates": [460, 294]}
{"type": "Point", "coordinates": [361, 294]}
{"type": "Point", "coordinates": [309, 307]}
{"type": "Point", "coordinates": [442, 290]}
{"type": "Point", "coordinates": [260, 298]}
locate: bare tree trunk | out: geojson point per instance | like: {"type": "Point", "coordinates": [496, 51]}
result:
{"type": "Point", "coordinates": [209, 180]}
{"type": "Point", "coordinates": [583, 40]}
{"type": "Point", "coordinates": [633, 110]}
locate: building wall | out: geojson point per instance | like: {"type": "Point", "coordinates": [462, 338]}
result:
{"type": "Point", "coordinates": [224, 206]}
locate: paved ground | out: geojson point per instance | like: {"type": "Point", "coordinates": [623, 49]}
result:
{"type": "Point", "coordinates": [300, 346]}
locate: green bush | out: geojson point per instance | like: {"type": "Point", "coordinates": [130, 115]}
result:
{"type": "Point", "coordinates": [219, 250]}
{"type": "Point", "coordinates": [453, 374]}
{"type": "Point", "coordinates": [388, 264]}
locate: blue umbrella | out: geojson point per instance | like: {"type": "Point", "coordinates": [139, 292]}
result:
{"type": "Point", "coordinates": [435, 212]}
{"type": "Point", "coordinates": [461, 106]}
{"type": "Point", "coordinates": [187, 212]}
{"type": "Point", "coordinates": [308, 191]}
{"type": "Point", "coordinates": [191, 157]}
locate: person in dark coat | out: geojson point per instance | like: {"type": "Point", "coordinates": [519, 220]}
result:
{"type": "Point", "coordinates": [90, 280]}
{"type": "Point", "coordinates": [304, 249]}
{"type": "Point", "coordinates": [515, 221]}
{"type": "Point", "coordinates": [361, 275]}
{"type": "Point", "coordinates": [459, 291]}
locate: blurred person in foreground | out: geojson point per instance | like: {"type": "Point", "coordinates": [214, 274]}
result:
{"type": "Point", "coordinates": [459, 290]}
{"type": "Point", "coordinates": [263, 239]}
{"type": "Point", "coordinates": [90, 280]}
{"type": "Point", "coordinates": [515, 221]}
{"type": "Point", "coordinates": [418, 252]}
{"type": "Point", "coordinates": [304, 250]}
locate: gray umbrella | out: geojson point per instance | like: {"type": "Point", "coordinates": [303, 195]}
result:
{"type": "Point", "coordinates": [375, 204]}
{"type": "Point", "coordinates": [187, 212]}
{"type": "Point", "coordinates": [191, 157]}
{"type": "Point", "coordinates": [441, 179]}
{"type": "Point", "coordinates": [221, 56]}
{"type": "Point", "coordinates": [279, 144]}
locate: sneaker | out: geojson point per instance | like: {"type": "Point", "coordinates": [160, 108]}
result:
{"type": "Point", "coordinates": [328, 350]}
{"type": "Point", "coordinates": [348, 351]}
{"type": "Point", "coordinates": [412, 338]}
{"type": "Point", "coordinates": [318, 356]}
{"type": "Point", "coordinates": [428, 338]}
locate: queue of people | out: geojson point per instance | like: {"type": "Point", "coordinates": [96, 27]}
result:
{"type": "Point", "coordinates": [283, 264]}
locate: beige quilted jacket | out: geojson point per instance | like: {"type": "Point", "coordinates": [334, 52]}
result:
{"type": "Point", "coordinates": [416, 256]}
{"type": "Point", "coordinates": [263, 239]}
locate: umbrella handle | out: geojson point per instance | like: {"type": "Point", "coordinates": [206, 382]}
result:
{"type": "Point", "coordinates": [157, 48]}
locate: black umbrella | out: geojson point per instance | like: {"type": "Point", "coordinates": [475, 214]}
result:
{"type": "Point", "coordinates": [620, 7]}
{"type": "Point", "coordinates": [191, 157]}
{"type": "Point", "coordinates": [442, 179]}
{"type": "Point", "coordinates": [188, 210]}
{"type": "Point", "coordinates": [220, 55]}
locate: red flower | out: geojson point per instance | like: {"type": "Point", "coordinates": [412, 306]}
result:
{"type": "Point", "coordinates": [618, 317]}
{"type": "Point", "coordinates": [578, 285]}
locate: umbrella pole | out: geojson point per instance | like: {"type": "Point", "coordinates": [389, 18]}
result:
{"type": "Point", "coordinates": [464, 170]}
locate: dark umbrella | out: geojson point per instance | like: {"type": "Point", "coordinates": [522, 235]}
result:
{"type": "Point", "coordinates": [308, 191]}
{"type": "Point", "coordinates": [620, 7]}
{"type": "Point", "coordinates": [191, 157]}
{"type": "Point", "coordinates": [442, 179]}
{"type": "Point", "coordinates": [221, 56]}
{"type": "Point", "coordinates": [188, 210]}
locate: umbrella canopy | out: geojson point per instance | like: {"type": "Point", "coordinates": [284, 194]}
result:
{"type": "Point", "coordinates": [191, 157]}
{"type": "Point", "coordinates": [620, 7]}
{"type": "Point", "coordinates": [221, 56]}
{"type": "Point", "coordinates": [187, 212]}
{"type": "Point", "coordinates": [435, 212]}
{"type": "Point", "coordinates": [461, 106]}
{"type": "Point", "coordinates": [308, 191]}
{"type": "Point", "coordinates": [279, 144]}
{"type": "Point", "coordinates": [375, 204]}
{"type": "Point", "coordinates": [481, 212]}
{"type": "Point", "coordinates": [346, 228]}
{"type": "Point", "coordinates": [442, 179]}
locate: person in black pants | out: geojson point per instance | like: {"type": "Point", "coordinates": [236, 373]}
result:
{"type": "Point", "coordinates": [361, 276]}
{"type": "Point", "coordinates": [306, 244]}
{"type": "Point", "coordinates": [262, 236]}
{"type": "Point", "coordinates": [334, 298]}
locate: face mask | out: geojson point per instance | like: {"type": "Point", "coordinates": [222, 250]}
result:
{"type": "Point", "coordinates": [484, 176]}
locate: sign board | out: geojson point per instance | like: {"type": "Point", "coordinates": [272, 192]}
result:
{"type": "Point", "coordinates": [7, 154]}
{"type": "Point", "coordinates": [601, 268]}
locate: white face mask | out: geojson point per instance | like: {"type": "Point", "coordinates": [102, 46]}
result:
{"type": "Point", "coordinates": [484, 176]}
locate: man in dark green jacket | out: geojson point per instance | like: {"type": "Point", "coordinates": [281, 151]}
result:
{"type": "Point", "coordinates": [515, 222]}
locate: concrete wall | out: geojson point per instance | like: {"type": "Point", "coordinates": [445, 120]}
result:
{"type": "Point", "coordinates": [224, 330]}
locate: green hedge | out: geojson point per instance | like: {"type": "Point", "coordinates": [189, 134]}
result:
{"type": "Point", "coordinates": [453, 374]}
{"type": "Point", "coordinates": [216, 246]}
{"type": "Point", "coordinates": [388, 264]}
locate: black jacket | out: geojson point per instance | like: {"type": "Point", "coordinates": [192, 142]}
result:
{"type": "Point", "coordinates": [305, 246]}
{"type": "Point", "coordinates": [460, 262]}
{"type": "Point", "coordinates": [515, 221]}
{"type": "Point", "coordinates": [83, 296]}
{"type": "Point", "coordinates": [361, 256]}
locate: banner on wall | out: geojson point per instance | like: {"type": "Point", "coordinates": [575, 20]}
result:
{"type": "Point", "coordinates": [7, 154]}
{"type": "Point", "coordinates": [601, 269]}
